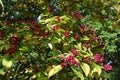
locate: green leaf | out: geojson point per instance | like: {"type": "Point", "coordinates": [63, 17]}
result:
{"type": "Point", "coordinates": [71, 40]}
{"type": "Point", "coordinates": [117, 8]}
{"type": "Point", "coordinates": [85, 38]}
{"type": "Point", "coordinates": [86, 69]}
{"type": "Point", "coordinates": [24, 48]}
{"type": "Point", "coordinates": [78, 46]}
{"type": "Point", "coordinates": [78, 73]}
{"type": "Point", "coordinates": [117, 0]}
{"type": "Point", "coordinates": [54, 70]}
{"type": "Point", "coordinates": [90, 52]}
{"type": "Point", "coordinates": [2, 72]}
{"type": "Point", "coordinates": [1, 3]}
{"type": "Point", "coordinates": [97, 69]}
{"type": "Point", "coordinates": [40, 76]}
{"type": "Point", "coordinates": [7, 63]}
{"type": "Point", "coordinates": [55, 40]}
{"type": "Point", "coordinates": [14, 0]}
{"type": "Point", "coordinates": [103, 12]}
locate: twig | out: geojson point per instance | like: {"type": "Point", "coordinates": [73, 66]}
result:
{"type": "Point", "coordinates": [17, 71]}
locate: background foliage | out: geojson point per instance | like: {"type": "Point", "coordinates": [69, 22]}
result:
{"type": "Point", "coordinates": [38, 47]}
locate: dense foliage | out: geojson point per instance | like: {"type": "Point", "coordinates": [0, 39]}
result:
{"type": "Point", "coordinates": [58, 39]}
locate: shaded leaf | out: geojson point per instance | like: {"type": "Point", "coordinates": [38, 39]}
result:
{"type": "Point", "coordinates": [78, 73]}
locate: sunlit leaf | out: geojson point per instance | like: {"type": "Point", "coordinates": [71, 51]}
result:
{"type": "Point", "coordinates": [117, 0]}
{"type": "Point", "coordinates": [90, 52]}
{"type": "Point", "coordinates": [7, 63]}
{"type": "Point", "coordinates": [117, 8]}
{"type": "Point", "coordinates": [86, 69]}
{"type": "Point", "coordinates": [50, 45]}
{"type": "Point", "coordinates": [97, 69]}
{"type": "Point", "coordinates": [85, 38]}
{"type": "Point", "coordinates": [24, 48]}
{"type": "Point", "coordinates": [2, 72]}
{"type": "Point", "coordinates": [1, 3]}
{"type": "Point", "coordinates": [54, 70]}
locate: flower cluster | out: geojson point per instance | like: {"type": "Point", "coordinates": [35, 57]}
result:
{"type": "Point", "coordinates": [98, 58]}
{"type": "Point", "coordinates": [74, 51]}
{"type": "Point", "coordinates": [69, 59]}
{"type": "Point", "coordinates": [1, 35]}
{"type": "Point", "coordinates": [49, 9]}
{"type": "Point", "coordinates": [83, 29]}
{"type": "Point", "coordinates": [77, 36]}
{"type": "Point", "coordinates": [66, 33]}
{"type": "Point", "coordinates": [86, 59]}
{"type": "Point", "coordinates": [12, 49]}
{"type": "Point", "coordinates": [86, 45]}
{"type": "Point", "coordinates": [91, 31]}
{"type": "Point", "coordinates": [93, 38]}
{"type": "Point", "coordinates": [77, 15]}
{"type": "Point", "coordinates": [58, 19]}
{"type": "Point", "coordinates": [107, 67]}
{"type": "Point", "coordinates": [34, 26]}
{"type": "Point", "coordinates": [55, 28]}
{"type": "Point", "coordinates": [43, 33]}
{"type": "Point", "coordinates": [14, 40]}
